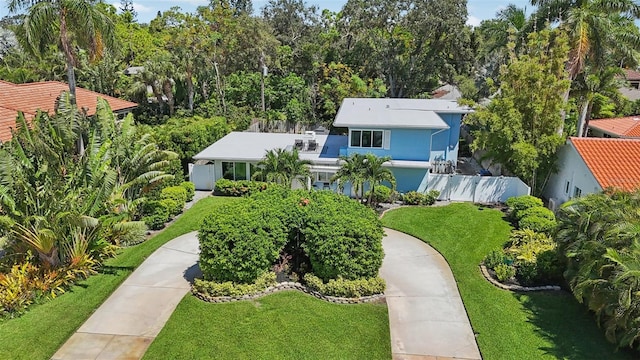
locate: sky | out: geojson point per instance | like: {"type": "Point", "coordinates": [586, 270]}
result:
{"type": "Point", "coordinates": [478, 9]}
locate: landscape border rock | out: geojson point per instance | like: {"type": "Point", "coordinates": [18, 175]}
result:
{"type": "Point", "coordinates": [287, 286]}
{"type": "Point", "coordinates": [517, 288]}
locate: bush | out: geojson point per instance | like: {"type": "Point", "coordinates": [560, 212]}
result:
{"type": "Point", "coordinates": [342, 237]}
{"type": "Point", "coordinates": [190, 188]}
{"type": "Point", "coordinates": [549, 267]}
{"type": "Point", "coordinates": [538, 211]}
{"type": "Point", "coordinates": [520, 203]}
{"type": "Point", "coordinates": [504, 272]}
{"type": "Point", "coordinates": [228, 288]}
{"type": "Point", "coordinates": [537, 224]}
{"type": "Point", "coordinates": [527, 273]}
{"type": "Point", "coordinates": [413, 198]}
{"type": "Point", "coordinates": [179, 196]}
{"type": "Point", "coordinates": [240, 241]}
{"type": "Point", "coordinates": [172, 206]}
{"type": "Point", "coordinates": [156, 214]}
{"type": "Point", "coordinates": [346, 288]}
{"type": "Point", "coordinates": [381, 194]}
{"type": "Point", "coordinates": [494, 258]}
{"type": "Point", "coordinates": [430, 197]}
{"type": "Point", "coordinates": [226, 187]}
{"type": "Point", "coordinates": [526, 244]}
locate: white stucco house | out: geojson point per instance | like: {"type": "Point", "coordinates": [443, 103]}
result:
{"type": "Point", "coordinates": [590, 165]}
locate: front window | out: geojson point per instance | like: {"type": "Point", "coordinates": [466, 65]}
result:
{"type": "Point", "coordinates": [324, 176]}
{"type": "Point", "coordinates": [234, 170]}
{"type": "Point", "coordinates": [367, 138]}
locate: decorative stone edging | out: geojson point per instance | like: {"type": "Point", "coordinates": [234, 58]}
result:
{"type": "Point", "coordinates": [519, 288]}
{"type": "Point", "coordinates": [287, 286]}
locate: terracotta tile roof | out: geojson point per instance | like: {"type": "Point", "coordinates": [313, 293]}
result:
{"type": "Point", "coordinates": [613, 162]}
{"type": "Point", "coordinates": [31, 97]}
{"type": "Point", "coordinates": [623, 127]}
{"type": "Point", "coordinates": [631, 74]}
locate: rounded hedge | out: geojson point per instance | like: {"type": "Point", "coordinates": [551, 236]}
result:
{"type": "Point", "coordinates": [335, 236]}
{"type": "Point", "coordinates": [517, 204]}
{"type": "Point", "coordinates": [190, 188]}
{"type": "Point", "coordinates": [343, 238]}
{"type": "Point", "coordinates": [176, 193]}
{"type": "Point", "coordinates": [240, 241]}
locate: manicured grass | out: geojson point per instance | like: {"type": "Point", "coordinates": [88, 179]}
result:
{"type": "Point", "coordinates": [39, 333]}
{"type": "Point", "coordinates": [287, 325]}
{"type": "Point", "coordinates": [508, 325]}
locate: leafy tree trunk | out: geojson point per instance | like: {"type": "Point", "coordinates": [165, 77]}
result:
{"type": "Point", "coordinates": [190, 89]}
{"type": "Point", "coordinates": [167, 89]}
{"type": "Point", "coordinates": [583, 122]}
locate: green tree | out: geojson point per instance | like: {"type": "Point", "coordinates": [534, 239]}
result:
{"type": "Point", "coordinates": [518, 128]}
{"type": "Point", "coordinates": [351, 172]}
{"type": "Point", "coordinates": [70, 24]}
{"type": "Point", "coordinates": [375, 173]}
{"type": "Point", "coordinates": [283, 166]}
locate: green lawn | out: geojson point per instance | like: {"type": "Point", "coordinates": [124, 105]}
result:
{"type": "Point", "coordinates": [287, 325]}
{"type": "Point", "coordinates": [509, 325]}
{"type": "Point", "coordinates": [41, 331]}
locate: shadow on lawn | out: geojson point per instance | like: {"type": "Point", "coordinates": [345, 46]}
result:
{"type": "Point", "coordinates": [114, 270]}
{"type": "Point", "coordinates": [569, 327]}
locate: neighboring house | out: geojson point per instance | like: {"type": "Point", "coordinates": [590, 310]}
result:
{"type": "Point", "coordinates": [590, 165]}
{"type": "Point", "coordinates": [31, 97]}
{"type": "Point", "coordinates": [623, 127]}
{"type": "Point", "coordinates": [418, 135]}
{"type": "Point", "coordinates": [632, 89]}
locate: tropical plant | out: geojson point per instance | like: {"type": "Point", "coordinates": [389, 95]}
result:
{"type": "Point", "coordinates": [70, 24]}
{"type": "Point", "coordinates": [351, 172]}
{"type": "Point", "coordinates": [282, 166]}
{"type": "Point", "coordinates": [375, 173]}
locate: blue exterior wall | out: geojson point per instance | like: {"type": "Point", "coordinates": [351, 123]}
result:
{"type": "Point", "coordinates": [418, 144]}
{"type": "Point", "coordinates": [445, 143]}
{"type": "Point", "coordinates": [408, 179]}
{"type": "Point", "coordinates": [405, 144]}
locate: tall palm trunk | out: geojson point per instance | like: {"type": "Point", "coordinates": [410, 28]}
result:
{"type": "Point", "coordinates": [68, 53]}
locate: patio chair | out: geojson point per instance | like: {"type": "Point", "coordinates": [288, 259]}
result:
{"type": "Point", "coordinates": [312, 145]}
{"type": "Point", "coordinates": [298, 144]}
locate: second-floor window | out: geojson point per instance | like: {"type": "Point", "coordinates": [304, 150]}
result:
{"type": "Point", "coordinates": [367, 138]}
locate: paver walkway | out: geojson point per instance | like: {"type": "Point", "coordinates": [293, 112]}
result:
{"type": "Point", "coordinates": [426, 315]}
{"type": "Point", "coordinates": [128, 321]}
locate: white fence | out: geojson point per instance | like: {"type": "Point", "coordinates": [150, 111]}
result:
{"type": "Point", "coordinates": [477, 189]}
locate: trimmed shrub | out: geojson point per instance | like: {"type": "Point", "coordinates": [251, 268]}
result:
{"type": "Point", "coordinates": [226, 187]}
{"type": "Point", "coordinates": [346, 288]}
{"type": "Point", "coordinates": [494, 258]}
{"type": "Point", "coordinates": [538, 211]}
{"type": "Point", "coordinates": [517, 204]}
{"type": "Point", "coordinates": [229, 288]}
{"type": "Point", "coordinates": [156, 214]}
{"type": "Point", "coordinates": [504, 272]}
{"type": "Point", "coordinates": [342, 237]}
{"type": "Point", "coordinates": [381, 194]}
{"type": "Point", "coordinates": [527, 273]}
{"type": "Point", "coordinates": [190, 188]}
{"type": "Point", "coordinates": [430, 197]}
{"type": "Point", "coordinates": [413, 198]}
{"type": "Point", "coordinates": [241, 241]}
{"type": "Point", "coordinates": [179, 196]}
{"type": "Point", "coordinates": [549, 267]}
{"type": "Point", "coordinates": [537, 224]}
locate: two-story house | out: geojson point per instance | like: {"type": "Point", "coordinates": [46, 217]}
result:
{"type": "Point", "coordinates": [419, 135]}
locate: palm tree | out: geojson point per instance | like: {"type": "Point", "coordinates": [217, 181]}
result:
{"type": "Point", "coordinates": [71, 24]}
{"type": "Point", "coordinates": [595, 28]}
{"type": "Point", "coordinates": [282, 166]}
{"type": "Point", "coordinates": [592, 83]}
{"type": "Point", "coordinates": [351, 171]}
{"type": "Point", "coordinates": [375, 173]}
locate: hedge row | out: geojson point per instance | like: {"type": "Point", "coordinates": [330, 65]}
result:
{"type": "Point", "coordinates": [170, 203]}
{"type": "Point", "coordinates": [226, 187]}
{"type": "Point", "coordinates": [325, 233]}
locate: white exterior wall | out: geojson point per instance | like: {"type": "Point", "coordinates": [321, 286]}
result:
{"type": "Point", "coordinates": [478, 189]}
{"type": "Point", "coordinates": [572, 169]}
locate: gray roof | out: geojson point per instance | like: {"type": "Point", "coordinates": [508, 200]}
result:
{"type": "Point", "coordinates": [252, 146]}
{"type": "Point", "coordinates": [396, 113]}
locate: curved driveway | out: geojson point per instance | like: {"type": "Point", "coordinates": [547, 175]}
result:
{"type": "Point", "coordinates": [426, 315]}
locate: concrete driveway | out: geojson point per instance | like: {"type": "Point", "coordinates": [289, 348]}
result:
{"type": "Point", "coordinates": [426, 315]}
